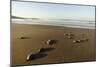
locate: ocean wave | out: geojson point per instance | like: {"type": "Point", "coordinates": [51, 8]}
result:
{"type": "Point", "coordinates": [69, 23]}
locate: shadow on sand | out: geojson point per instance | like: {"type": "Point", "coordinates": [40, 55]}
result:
{"type": "Point", "coordinates": [51, 42]}
{"type": "Point", "coordinates": [36, 56]}
{"type": "Point", "coordinates": [39, 55]}
{"type": "Point", "coordinates": [22, 37]}
{"type": "Point", "coordinates": [42, 50]}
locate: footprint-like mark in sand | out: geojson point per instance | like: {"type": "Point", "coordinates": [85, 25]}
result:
{"type": "Point", "coordinates": [43, 50]}
{"type": "Point", "coordinates": [23, 37]}
{"type": "Point", "coordinates": [33, 56]}
{"type": "Point", "coordinates": [69, 35]}
{"type": "Point", "coordinates": [39, 55]}
{"type": "Point", "coordinates": [51, 42]}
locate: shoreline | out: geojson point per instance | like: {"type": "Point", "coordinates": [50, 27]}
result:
{"type": "Point", "coordinates": [94, 28]}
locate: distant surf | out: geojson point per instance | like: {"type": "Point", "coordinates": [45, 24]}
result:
{"type": "Point", "coordinates": [58, 22]}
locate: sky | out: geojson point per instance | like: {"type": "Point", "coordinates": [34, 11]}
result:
{"type": "Point", "coordinates": [52, 11]}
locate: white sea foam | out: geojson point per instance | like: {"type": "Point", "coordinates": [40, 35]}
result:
{"type": "Point", "coordinates": [65, 23]}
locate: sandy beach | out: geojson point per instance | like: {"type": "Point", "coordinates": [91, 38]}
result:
{"type": "Point", "coordinates": [64, 50]}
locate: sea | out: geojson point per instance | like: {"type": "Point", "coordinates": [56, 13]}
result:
{"type": "Point", "coordinates": [58, 22]}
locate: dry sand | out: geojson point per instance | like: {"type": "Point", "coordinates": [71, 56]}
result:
{"type": "Point", "coordinates": [64, 49]}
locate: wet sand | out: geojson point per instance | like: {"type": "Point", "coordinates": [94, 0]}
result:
{"type": "Point", "coordinates": [64, 50]}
